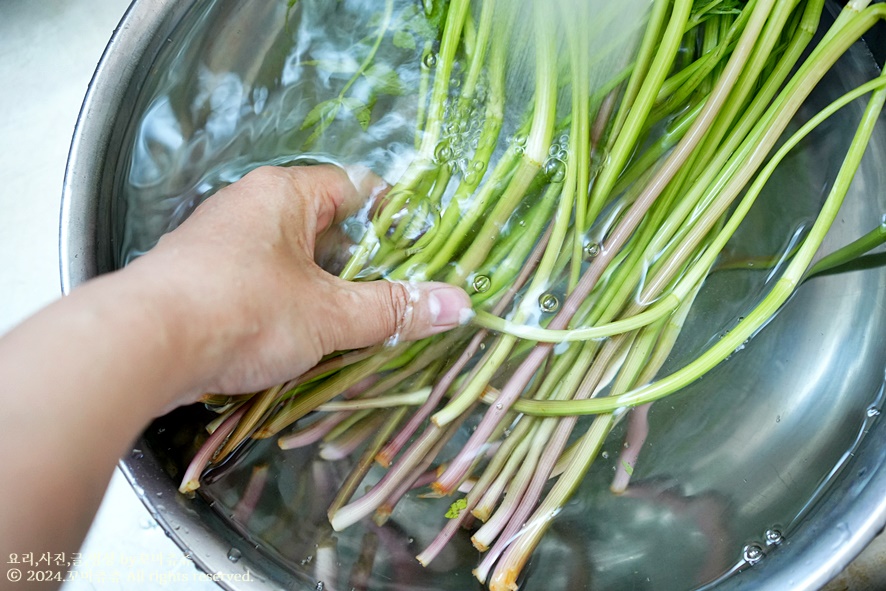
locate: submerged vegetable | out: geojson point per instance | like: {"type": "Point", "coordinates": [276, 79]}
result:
{"type": "Point", "coordinates": [587, 234]}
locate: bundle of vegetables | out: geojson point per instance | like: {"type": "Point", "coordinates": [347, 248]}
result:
{"type": "Point", "coordinates": [584, 238]}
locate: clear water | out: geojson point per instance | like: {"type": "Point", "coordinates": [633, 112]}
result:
{"type": "Point", "coordinates": [230, 92]}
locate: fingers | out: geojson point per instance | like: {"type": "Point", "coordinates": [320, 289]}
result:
{"type": "Point", "coordinates": [331, 193]}
{"type": "Point", "coordinates": [331, 250]}
{"type": "Point", "coordinates": [371, 188]}
{"type": "Point", "coordinates": [374, 312]}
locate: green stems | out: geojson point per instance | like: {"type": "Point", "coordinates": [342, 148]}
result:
{"type": "Point", "coordinates": [455, 19]}
{"type": "Point", "coordinates": [779, 293]}
{"type": "Point", "coordinates": [656, 191]}
{"type": "Point", "coordinates": [635, 120]}
{"type": "Point", "coordinates": [382, 29]}
{"type": "Point", "coordinates": [851, 251]}
{"type": "Point", "coordinates": [431, 136]}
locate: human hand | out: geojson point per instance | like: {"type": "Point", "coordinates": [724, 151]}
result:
{"type": "Point", "coordinates": [255, 308]}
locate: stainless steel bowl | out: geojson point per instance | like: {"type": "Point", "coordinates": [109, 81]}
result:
{"type": "Point", "coordinates": [841, 521]}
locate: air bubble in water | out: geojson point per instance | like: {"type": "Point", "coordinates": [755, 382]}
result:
{"type": "Point", "coordinates": [320, 586]}
{"type": "Point", "coordinates": [307, 560]}
{"type": "Point", "coordinates": [548, 302]}
{"type": "Point", "coordinates": [592, 249]}
{"type": "Point", "coordinates": [137, 454]}
{"type": "Point", "coordinates": [873, 411]}
{"type": "Point", "coordinates": [443, 153]}
{"type": "Point", "coordinates": [555, 170]}
{"type": "Point", "coordinates": [773, 536]}
{"type": "Point", "coordinates": [481, 283]}
{"type": "Point", "coordinates": [234, 554]}
{"type": "Point", "coordinates": [430, 60]}
{"type": "Point", "coordinates": [752, 553]}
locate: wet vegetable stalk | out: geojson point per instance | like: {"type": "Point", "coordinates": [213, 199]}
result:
{"type": "Point", "coordinates": [584, 238]}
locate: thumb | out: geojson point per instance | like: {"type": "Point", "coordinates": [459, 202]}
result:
{"type": "Point", "coordinates": [370, 313]}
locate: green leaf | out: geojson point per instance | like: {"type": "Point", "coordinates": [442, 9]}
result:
{"type": "Point", "coordinates": [456, 508]}
{"type": "Point", "coordinates": [421, 27]}
{"type": "Point", "coordinates": [409, 12]}
{"type": "Point", "coordinates": [318, 131]}
{"type": "Point", "coordinates": [375, 20]}
{"type": "Point", "coordinates": [384, 80]}
{"type": "Point", "coordinates": [404, 40]}
{"type": "Point", "coordinates": [628, 468]}
{"type": "Point", "coordinates": [362, 112]}
{"type": "Point", "coordinates": [327, 110]}
{"type": "Point", "coordinates": [413, 20]}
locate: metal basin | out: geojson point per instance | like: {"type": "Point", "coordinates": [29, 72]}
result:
{"type": "Point", "coordinates": [796, 451]}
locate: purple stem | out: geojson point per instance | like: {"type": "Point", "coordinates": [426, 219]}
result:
{"type": "Point", "coordinates": [475, 496]}
{"type": "Point", "coordinates": [254, 489]}
{"type": "Point", "coordinates": [638, 430]}
{"type": "Point", "coordinates": [522, 510]}
{"type": "Point", "coordinates": [447, 531]}
{"type": "Point", "coordinates": [425, 479]}
{"type": "Point", "coordinates": [521, 377]}
{"type": "Point", "coordinates": [602, 119]}
{"type": "Point", "coordinates": [421, 453]}
{"type": "Point", "coordinates": [440, 388]}
{"type": "Point", "coordinates": [330, 365]}
{"type": "Point", "coordinates": [313, 432]}
{"type": "Point", "coordinates": [386, 456]}
{"type": "Point", "coordinates": [343, 445]}
{"type": "Point", "coordinates": [610, 247]}
{"type": "Point", "coordinates": [365, 505]}
{"type": "Point", "coordinates": [191, 479]}
{"type": "Point", "coordinates": [319, 429]}
{"type": "Point", "coordinates": [421, 470]}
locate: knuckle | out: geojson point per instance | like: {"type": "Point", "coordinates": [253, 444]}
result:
{"type": "Point", "coordinates": [276, 179]}
{"type": "Point", "coordinates": [399, 306]}
{"type": "Point", "coordinates": [265, 174]}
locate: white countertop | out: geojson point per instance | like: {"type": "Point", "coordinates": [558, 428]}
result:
{"type": "Point", "coordinates": [48, 51]}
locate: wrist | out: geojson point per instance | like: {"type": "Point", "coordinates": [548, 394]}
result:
{"type": "Point", "coordinates": [146, 322]}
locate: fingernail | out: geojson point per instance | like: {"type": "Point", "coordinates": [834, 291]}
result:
{"type": "Point", "coordinates": [449, 306]}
